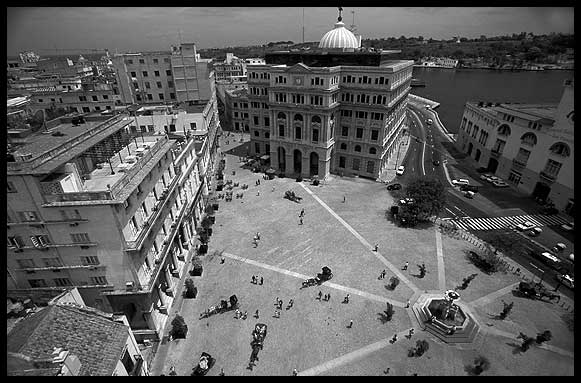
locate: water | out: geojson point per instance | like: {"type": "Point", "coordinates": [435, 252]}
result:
{"type": "Point", "coordinates": [453, 87]}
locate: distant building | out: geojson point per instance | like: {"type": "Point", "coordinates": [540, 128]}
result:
{"type": "Point", "coordinates": [70, 339]}
{"type": "Point", "coordinates": [28, 57]}
{"type": "Point", "coordinates": [338, 108]}
{"type": "Point", "coordinates": [530, 146]}
{"type": "Point", "coordinates": [164, 77]}
{"type": "Point", "coordinates": [231, 67]}
{"type": "Point", "coordinates": [90, 98]}
{"type": "Point", "coordinates": [237, 111]}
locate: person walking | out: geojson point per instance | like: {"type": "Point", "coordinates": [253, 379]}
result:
{"type": "Point", "coordinates": [407, 305]}
{"type": "Point", "coordinates": [276, 304]}
{"type": "Point", "coordinates": [405, 267]}
{"type": "Point", "coordinates": [295, 372]}
{"type": "Point", "coordinates": [346, 299]}
{"type": "Point", "coordinates": [258, 235]}
{"type": "Point", "coordinates": [258, 193]}
{"type": "Point", "coordinates": [256, 314]}
{"type": "Point", "coordinates": [320, 294]}
{"type": "Point", "coordinates": [375, 247]}
{"type": "Point", "coordinates": [350, 324]}
{"type": "Point", "coordinates": [261, 281]}
{"type": "Point", "coordinates": [273, 188]}
{"type": "Point", "coordinates": [343, 199]}
{"type": "Point", "coordinates": [411, 332]}
{"type": "Point", "coordinates": [253, 279]}
{"type": "Point", "coordinates": [300, 220]}
{"type": "Point", "coordinates": [222, 372]}
{"type": "Point", "coordinates": [302, 212]}
{"type": "Point", "coordinates": [394, 339]}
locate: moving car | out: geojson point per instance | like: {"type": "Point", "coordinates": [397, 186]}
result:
{"type": "Point", "coordinates": [472, 188]}
{"type": "Point", "coordinates": [566, 279]}
{"type": "Point", "coordinates": [395, 186]}
{"type": "Point", "coordinates": [436, 162]}
{"type": "Point", "coordinates": [568, 226]}
{"type": "Point", "coordinates": [525, 226]}
{"type": "Point", "coordinates": [486, 177]}
{"type": "Point", "coordinates": [400, 170]}
{"type": "Point", "coordinates": [499, 184]}
{"type": "Point", "coordinates": [469, 194]}
{"type": "Point", "coordinates": [430, 122]}
{"type": "Point", "coordinates": [460, 181]}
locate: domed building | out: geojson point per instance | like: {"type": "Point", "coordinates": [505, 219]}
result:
{"type": "Point", "coordinates": [334, 109]}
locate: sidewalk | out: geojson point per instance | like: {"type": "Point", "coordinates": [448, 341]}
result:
{"type": "Point", "coordinates": [387, 174]}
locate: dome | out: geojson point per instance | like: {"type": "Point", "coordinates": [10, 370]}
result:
{"type": "Point", "coordinates": [339, 37]}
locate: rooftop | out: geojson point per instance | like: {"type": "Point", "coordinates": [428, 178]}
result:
{"type": "Point", "coordinates": [93, 336]}
{"type": "Point", "coordinates": [532, 112]}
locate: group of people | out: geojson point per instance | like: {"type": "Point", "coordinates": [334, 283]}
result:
{"type": "Point", "coordinates": [256, 239]}
{"type": "Point", "coordinates": [278, 306]}
{"type": "Point", "coordinates": [326, 297]}
{"type": "Point", "coordinates": [256, 281]}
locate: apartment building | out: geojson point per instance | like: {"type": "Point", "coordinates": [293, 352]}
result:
{"type": "Point", "coordinates": [92, 204]}
{"type": "Point", "coordinates": [231, 67]}
{"type": "Point", "coordinates": [163, 77]}
{"type": "Point", "coordinates": [530, 146]}
{"type": "Point", "coordinates": [338, 108]}
{"type": "Point", "coordinates": [94, 97]}
{"type": "Point", "coordinates": [237, 105]}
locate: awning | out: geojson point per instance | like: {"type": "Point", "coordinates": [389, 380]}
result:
{"type": "Point", "coordinates": [265, 157]}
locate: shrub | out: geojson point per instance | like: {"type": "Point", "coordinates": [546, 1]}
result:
{"type": "Point", "coordinates": [422, 347]}
{"type": "Point", "coordinates": [179, 328]}
{"type": "Point", "coordinates": [481, 364]}
{"type": "Point", "coordinates": [544, 337]}
{"type": "Point", "coordinates": [393, 282]}
{"type": "Point", "coordinates": [486, 262]}
{"type": "Point", "coordinates": [190, 289]}
{"type": "Point", "coordinates": [316, 182]}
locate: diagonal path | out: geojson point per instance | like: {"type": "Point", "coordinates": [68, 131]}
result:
{"type": "Point", "coordinates": [377, 254]}
{"type": "Point", "coordinates": [350, 357]}
{"type": "Point", "coordinates": [493, 295]}
{"type": "Point", "coordinates": [349, 290]}
{"type": "Point", "coordinates": [440, 257]}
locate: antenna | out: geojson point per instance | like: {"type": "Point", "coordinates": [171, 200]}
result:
{"type": "Point", "coordinates": [353, 27]}
{"type": "Point", "coordinates": [180, 34]}
{"type": "Point", "coordinates": [303, 25]}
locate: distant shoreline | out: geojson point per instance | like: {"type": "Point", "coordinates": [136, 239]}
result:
{"type": "Point", "coordinates": [499, 69]}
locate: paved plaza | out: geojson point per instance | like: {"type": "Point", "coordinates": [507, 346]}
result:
{"type": "Point", "coordinates": [313, 336]}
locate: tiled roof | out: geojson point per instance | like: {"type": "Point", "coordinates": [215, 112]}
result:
{"type": "Point", "coordinates": [89, 334]}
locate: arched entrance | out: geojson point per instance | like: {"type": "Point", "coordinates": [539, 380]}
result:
{"type": "Point", "coordinates": [541, 191]}
{"type": "Point", "coordinates": [314, 164]}
{"type": "Point", "coordinates": [478, 153]}
{"type": "Point", "coordinates": [492, 165]}
{"type": "Point", "coordinates": [470, 146]}
{"type": "Point", "coordinates": [297, 161]}
{"type": "Point", "coordinates": [281, 159]}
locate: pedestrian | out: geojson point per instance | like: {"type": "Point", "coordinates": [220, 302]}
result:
{"type": "Point", "coordinates": [300, 220]}
{"type": "Point", "coordinates": [276, 314]}
{"type": "Point", "coordinates": [273, 188]}
{"type": "Point", "coordinates": [222, 372]}
{"type": "Point", "coordinates": [255, 242]}
{"type": "Point", "coordinates": [253, 279]}
{"type": "Point", "coordinates": [258, 193]}
{"type": "Point", "coordinates": [350, 324]}
{"type": "Point", "coordinates": [280, 305]}
{"type": "Point", "coordinates": [256, 314]}
{"type": "Point", "coordinates": [394, 339]}
{"type": "Point", "coordinates": [261, 281]}
{"type": "Point", "coordinates": [320, 294]}
{"type": "Point", "coordinates": [517, 271]}
{"type": "Point", "coordinates": [386, 371]}
{"type": "Point", "coordinates": [407, 305]}
{"type": "Point", "coordinates": [328, 297]}
{"type": "Point", "coordinates": [276, 304]}
{"type": "Point", "coordinates": [346, 299]}
{"type": "Point", "coordinates": [375, 247]}
{"type": "Point", "coordinates": [258, 235]}
{"type": "Point", "coordinates": [302, 212]}
{"type": "Point", "coordinates": [222, 260]}
{"type": "Point", "coordinates": [295, 372]}
{"type": "Point", "coordinates": [412, 330]}
{"type": "Point", "coordinates": [405, 267]}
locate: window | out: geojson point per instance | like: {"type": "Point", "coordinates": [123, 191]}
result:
{"type": "Point", "coordinates": [144, 73]}
{"type": "Point", "coordinates": [360, 114]}
{"type": "Point", "coordinates": [172, 127]}
{"type": "Point", "coordinates": [52, 262]}
{"type": "Point", "coordinates": [298, 133]}
{"type": "Point", "coordinates": [143, 128]}
{"type": "Point", "coordinates": [342, 162]}
{"type": "Point", "coordinates": [372, 151]}
{"type": "Point", "coordinates": [98, 280]}
{"type": "Point", "coordinates": [266, 121]}
{"type": "Point", "coordinates": [62, 282]}
{"type": "Point", "coordinates": [523, 156]}
{"type": "Point", "coordinates": [315, 135]}
{"type": "Point", "coordinates": [28, 216]}
{"type": "Point", "coordinates": [267, 135]}
{"type": "Point", "coordinates": [166, 60]}
{"type": "Point", "coordinates": [552, 168]}
{"type": "Point", "coordinates": [80, 237]}
{"type": "Point", "coordinates": [359, 133]}
{"type": "Point", "coordinates": [168, 72]}
{"type": "Point", "coordinates": [172, 96]}
{"type": "Point", "coordinates": [130, 62]}
{"type": "Point", "coordinates": [281, 130]}
{"type": "Point", "coordinates": [156, 73]}
{"type": "Point", "coordinates": [255, 118]}
{"type": "Point", "coordinates": [498, 146]}
{"type": "Point", "coordinates": [370, 166]}
{"type": "Point", "coordinates": [10, 187]}
{"type": "Point", "coordinates": [133, 74]}
{"type": "Point", "coordinates": [86, 109]}
{"type": "Point", "coordinates": [159, 86]}
{"type": "Point", "coordinates": [193, 126]}
{"type": "Point", "coordinates": [560, 149]}
{"type": "Point", "coordinates": [257, 147]}
{"type": "Point", "coordinates": [147, 85]}
{"type": "Point", "coordinates": [374, 135]}
{"type": "Point", "coordinates": [81, 98]}
{"type": "Point", "coordinates": [170, 84]}
{"type": "Point", "coordinates": [90, 260]}
{"type": "Point", "coordinates": [514, 178]}
{"type": "Point", "coordinates": [95, 98]}
{"type": "Point", "coordinates": [136, 86]}
{"type": "Point", "coordinates": [25, 263]}
{"type": "Point", "coordinates": [37, 283]}
{"type": "Point", "coordinates": [15, 241]}
{"type": "Point", "coordinates": [150, 96]}
{"type": "Point", "coordinates": [358, 148]}
{"type": "Point", "coordinates": [344, 131]}
{"type": "Point", "coordinates": [155, 61]}
{"type": "Point", "coordinates": [141, 61]}
{"type": "Point", "coordinates": [160, 96]}
{"type": "Point", "coordinates": [105, 97]}
{"type": "Point", "coordinates": [256, 133]}
{"type": "Point", "coordinates": [346, 113]}
{"type": "Point", "coordinates": [356, 164]}
{"type": "Point", "coordinates": [528, 139]}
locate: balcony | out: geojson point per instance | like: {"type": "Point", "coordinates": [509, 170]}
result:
{"type": "Point", "coordinates": [547, 177]}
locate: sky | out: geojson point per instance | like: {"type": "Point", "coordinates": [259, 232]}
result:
{"type": "Point", "coordinates": [42, 29]}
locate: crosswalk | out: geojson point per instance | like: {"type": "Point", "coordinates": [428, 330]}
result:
{"type": "Point", "coordinates": [498, 223]}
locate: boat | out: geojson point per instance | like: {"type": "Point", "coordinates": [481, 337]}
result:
{"type": "Point", "coordinates": [417, 83]}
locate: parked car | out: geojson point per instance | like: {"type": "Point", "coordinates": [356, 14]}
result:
{"type": "Point", "coordinates": [400, 170]}
{"type": "Point", "coordinates": [534, 232]}
{"type": "Point", "coordinates": [436, 162]}
{"type": "Point", "coordinates": [499, 184]}
{"type": "Point", "coordinates": [430, 122]}
{"type": "Point", "coordinates": [485, 176]}
{"type": "Point", "coordinates": [395, 186]}
{"type": "Point", "coordinates": [525, 226]}
{"type": "Point", "coordinates": [566, 279]}
{"type": "Point", "coordinates": [469, 194]}
{"type": "Point", "coordinates": [570, 226]}
{"type": "Point", "coordinates": [492, 178]}
{"type": "Point", "coordinates": [472, 188]}
{"type": "Point", "coordinates": [460, 181]}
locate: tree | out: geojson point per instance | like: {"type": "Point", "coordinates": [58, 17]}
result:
{"type": "Point", "coordinates": [466, 281]}
{"type": "Point", "coordinates": [506, 309]}
{"type": "Point", "coordinates": [389, 311]}
{"type": "Point", "coordinates": [428, 196]}
{"type": "Point", "coordinates": [179, 328]}
{"type": "Point", "coordinates": [422, 269]}
{"type": "Point", "coordinates": [526, 343]}
{"type": "Point", "coordinates": [421, 348]}
{"type": "Point", "coordinates": [190, 288]}
{"type": "Point", "coordinates": [393, 282]}
{"type": "Point", "coordinates": [481, 364]}
{"type": "Point", "coordinates": [545, 336]}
